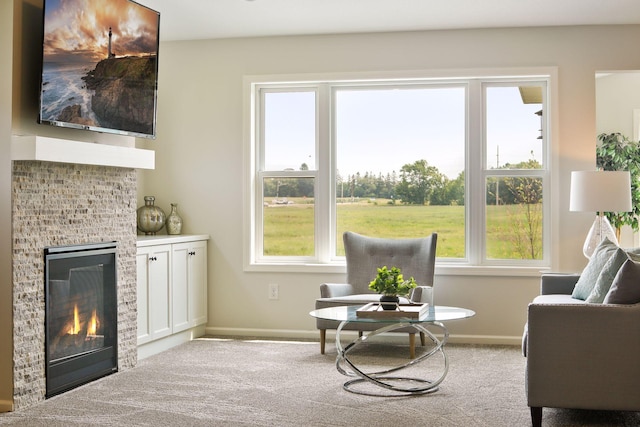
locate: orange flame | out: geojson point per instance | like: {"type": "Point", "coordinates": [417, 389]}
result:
{"type": "Point", "coordinates": [75, 328]}
{"type": "Point", "coordinates": [93, 324]}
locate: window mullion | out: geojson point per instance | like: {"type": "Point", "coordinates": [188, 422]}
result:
{"type": "Point", "coordinates": [475, 178]}
{"type": "Point", "coordinates": [325, 196]}
{"type": "Point", "coordinates": [258, 225]}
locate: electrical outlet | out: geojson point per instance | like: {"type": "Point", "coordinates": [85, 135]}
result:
{"type": "Point", "coordinates": [273, 291]}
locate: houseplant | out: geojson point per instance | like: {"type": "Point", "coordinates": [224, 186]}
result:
{"type": "Point", "coordinates": [616, 152]}
{"type": "Point", "coordinates": [391, 284]}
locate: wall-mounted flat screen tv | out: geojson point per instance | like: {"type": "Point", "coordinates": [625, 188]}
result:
{"type": "Point", "coordinates": [100, 66]}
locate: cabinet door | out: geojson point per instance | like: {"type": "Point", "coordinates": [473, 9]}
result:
{"type": "Point", "coordinates": [154, 320]}
{"type": "Point", "coordinates": [180, 286]}
{"type": "Point", "coordinates": [142, 267]}
{"type": "Point", "coordinates": [160, 291]}
{"type": "Point", "coordinates": [189, 285]}
{"type": "Point", "coordinates": [198, 283]}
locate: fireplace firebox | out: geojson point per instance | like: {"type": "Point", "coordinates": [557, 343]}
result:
{"type": "Point", "coordinates": [80, 315]}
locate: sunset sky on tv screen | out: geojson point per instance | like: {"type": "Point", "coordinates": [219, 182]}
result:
{"type": "Point", "coordinates": [78, 30]}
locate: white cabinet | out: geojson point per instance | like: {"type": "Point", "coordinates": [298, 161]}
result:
{"type": "Point", "coordinates": [154, 292]}
{"type": "Point", "coordinates": [172, 286]}
{"type": "Point", "coordinates": [189, 262]}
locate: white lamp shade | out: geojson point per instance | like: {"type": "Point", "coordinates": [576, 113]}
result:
{"type": "Point", "coordinates": [600, 191]}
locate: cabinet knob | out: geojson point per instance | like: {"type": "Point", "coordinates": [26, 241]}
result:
{"type": "Point", "coordinates": [153, 258]}
{"type": "Point", "coordinates": [192, 253]}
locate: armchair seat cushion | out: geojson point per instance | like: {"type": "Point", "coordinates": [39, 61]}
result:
{"type": "Point", "coordinates": [352, 300]}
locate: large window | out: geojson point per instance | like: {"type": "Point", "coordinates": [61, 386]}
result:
{"type": "Point", "coordinates": [463, 158]}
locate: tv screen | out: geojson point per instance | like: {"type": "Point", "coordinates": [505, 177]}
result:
{"type": "Point", "coordinates": [100, 66]}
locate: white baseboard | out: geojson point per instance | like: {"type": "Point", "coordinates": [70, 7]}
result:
{"type": "Point", "coordinates": [162, 344]}
{"type": "Point", "coordinates": [315, 335]}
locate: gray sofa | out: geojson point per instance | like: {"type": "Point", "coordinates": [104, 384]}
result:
{"type": "Point", "coordinates": [581, 355]}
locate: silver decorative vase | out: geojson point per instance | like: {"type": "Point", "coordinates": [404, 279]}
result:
{"type": "Point", "coordinates": [174, 221]}
{"type": "Point", "coordinates": [150, 217]}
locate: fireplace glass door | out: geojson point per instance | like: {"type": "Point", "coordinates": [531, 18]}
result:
{"type": "Point", "coordinates": [80, 314]}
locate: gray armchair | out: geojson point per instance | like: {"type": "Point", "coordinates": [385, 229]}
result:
{"type": "Point", "coordinates": [364, 255]}
{"type": "Point", "coordinates": [580, 355]}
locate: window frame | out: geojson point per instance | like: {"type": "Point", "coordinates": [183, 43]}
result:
{"type": "Point", "coordinates": [479, 255]}
{"type": "Point", "coordinates": [475, 261]}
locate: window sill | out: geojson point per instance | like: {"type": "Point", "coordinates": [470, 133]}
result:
{"type": "Point", "coordinates": [442, 269]}
{"type": "Point", "coordinates": [493, 270]}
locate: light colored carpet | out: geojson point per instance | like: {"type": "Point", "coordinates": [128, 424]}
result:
{"type": "Point", "coordinates": [242, 382]}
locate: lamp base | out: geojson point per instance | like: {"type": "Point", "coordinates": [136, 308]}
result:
{"type": "Point", "coordinates": [600, 229]}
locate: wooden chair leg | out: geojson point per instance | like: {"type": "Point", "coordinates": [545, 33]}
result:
{"type": "Point", "coordinates": [323, 338]}
{"type": "Point", "coordinates": [412, 345]}
{"type": "Point", "coordinates": [536, 416]}
{"type": "Point", "coordinates": [423, 339]}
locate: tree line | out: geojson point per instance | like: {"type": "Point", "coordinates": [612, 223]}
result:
{"type": "Point", "coordinates": [416, 183]}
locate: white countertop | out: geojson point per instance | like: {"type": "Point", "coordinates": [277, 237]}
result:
{"type": "Point", "coordinates": [164, 239]}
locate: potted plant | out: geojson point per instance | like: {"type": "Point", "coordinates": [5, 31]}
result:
{"type": "Point", "coordinates": [616, 152]}
{"type": "Point", "coordinates": [391, 284]}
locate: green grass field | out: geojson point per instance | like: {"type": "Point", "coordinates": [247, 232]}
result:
{"type": "Point", "coordinates": [289, 229]}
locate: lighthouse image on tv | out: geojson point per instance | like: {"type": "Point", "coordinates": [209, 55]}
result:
{"type": "Point", "coordinates": [100, 66]}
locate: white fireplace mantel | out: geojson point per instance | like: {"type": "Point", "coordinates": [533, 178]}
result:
{"type": "Point", "coordinates": [46, 149]}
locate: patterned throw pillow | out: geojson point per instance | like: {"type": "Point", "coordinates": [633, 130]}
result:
{"type": "Point", "coordinates": [605, 279]}
{"type": "Point", "coordinates": [591, 272]}
{"type": "Point", "coordinates": [625, 288]}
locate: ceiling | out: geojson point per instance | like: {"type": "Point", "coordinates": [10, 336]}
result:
{"type": "Point", "coordinates": [209, 19]}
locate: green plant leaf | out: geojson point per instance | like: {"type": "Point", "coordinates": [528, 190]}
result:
{"type": "Point", "coordinates": [616, 152]}
{"type": "Point", "coordinates": [392, 282]}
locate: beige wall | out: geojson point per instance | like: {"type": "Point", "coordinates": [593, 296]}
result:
{"type": "Point", "coordinates": [200, 152]}
{"type": "Point", "coordinates": [617, 95]}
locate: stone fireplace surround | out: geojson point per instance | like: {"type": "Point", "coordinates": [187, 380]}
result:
{"type": "Point", "coordinates": [55, 204]}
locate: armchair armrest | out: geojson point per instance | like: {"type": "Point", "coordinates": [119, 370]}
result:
{"type": "Point", "coordinates": [331, 290]}
{"type": "Point", "coordinates": [556, 283]}
{"type": "Point", "coordinates": [575, 351]}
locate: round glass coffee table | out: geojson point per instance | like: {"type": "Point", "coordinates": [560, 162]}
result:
{"type": "Point", "coordinates": [387, 379]}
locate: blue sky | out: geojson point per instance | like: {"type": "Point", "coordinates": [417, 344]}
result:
{"type": "Point", "coordinates": [379, 131]}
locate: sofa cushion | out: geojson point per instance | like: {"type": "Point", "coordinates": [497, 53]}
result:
{"type": "Point", "coordinates": [634, 253]}
{"type": "Point", "coordinates": [589, 275]}
{"type": "Point", "coordinates": [605, 279]}
{"type": "Point", "coordinates": [557, 299]}
{"type": "Point", "coordinates": [625, 288]}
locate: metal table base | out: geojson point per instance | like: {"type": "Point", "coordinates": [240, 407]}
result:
{"type": "Point", "coordinates": [397, 385]}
